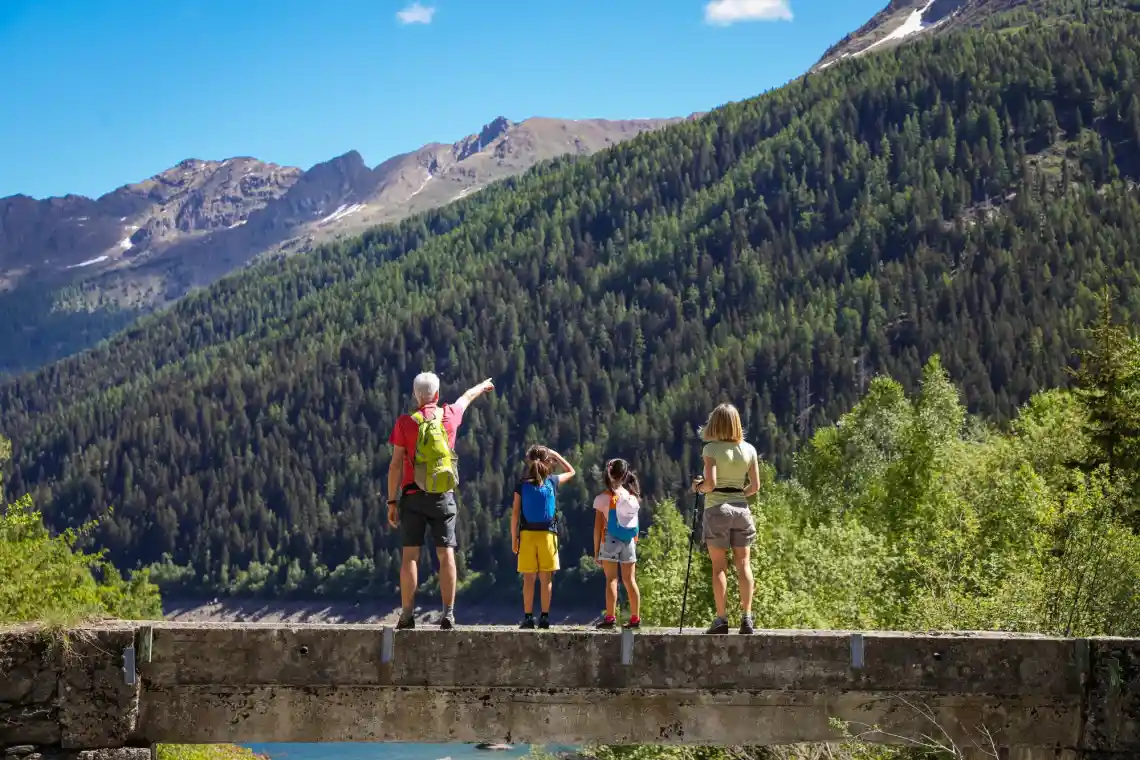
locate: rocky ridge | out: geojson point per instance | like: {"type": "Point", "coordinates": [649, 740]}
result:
{"type": "Point", "coordinates": [904, 20]}
{"type": "Point", "coordinates": [147, 244]}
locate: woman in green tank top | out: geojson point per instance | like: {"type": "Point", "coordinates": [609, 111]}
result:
{"type": "Point", "coordinates": [731, 477]}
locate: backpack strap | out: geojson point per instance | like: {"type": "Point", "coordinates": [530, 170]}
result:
{"type": "Point", "coordinates": [606, 523]}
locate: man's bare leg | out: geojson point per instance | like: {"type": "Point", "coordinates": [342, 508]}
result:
{"type": "Point", "coordinates": [409, 579]}
{"type": "Point", "coordinates": [448, 579]}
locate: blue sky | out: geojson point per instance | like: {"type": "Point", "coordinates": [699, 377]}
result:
{"type": "Point", "coordinates": [98, 93]}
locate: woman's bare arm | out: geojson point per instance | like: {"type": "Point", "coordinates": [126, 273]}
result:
{"type": "Point", "coordinates": [709, 483]}
{"type": "Point", "coordinates": [753, 478]}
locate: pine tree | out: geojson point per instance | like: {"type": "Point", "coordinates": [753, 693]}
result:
{"type": "Point", "coordinates": [1108, 385]}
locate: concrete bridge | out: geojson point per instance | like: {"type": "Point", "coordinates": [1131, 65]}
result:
{"type": "Point", "coordinates": [124, 685]}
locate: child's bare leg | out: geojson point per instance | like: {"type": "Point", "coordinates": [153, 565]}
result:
{"type": "Point", "coordinates": [546, 587]}
{"type": "Point", "coordinates": [528, 593]}
{"type": "Point", "coordinates": [629, 579]}
{"type": "Point", "coordinates": [611, 569]}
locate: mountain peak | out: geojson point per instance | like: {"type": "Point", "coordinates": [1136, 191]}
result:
{"type": "Point", "coordinates": [902, 20]}
{"type": "Point", "coordinates": [497, 128]}
{"type": "Point", "coordinates": [477, 143]}
{"type": "Point", "coordinates": [351, 158]}
{"type": "Point", "coordinates": [145, 244]}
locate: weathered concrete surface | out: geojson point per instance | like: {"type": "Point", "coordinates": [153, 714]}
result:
{"type": "Point", "coordinates": [1113, 684]}
{"type": "Point", "coordinates": [29, 690]}
{"type": "Point", "coordinates": [52, 753]}
{"type": "Point", "coordinates": [207, 715]}
{"type": "Point", "coordinates": [203, 683]}
{"type": "Point", "coordinates": [65, 689]}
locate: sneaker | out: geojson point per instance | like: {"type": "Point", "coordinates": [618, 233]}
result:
{"type": "Point", "coordinates": [527, 623]}
{"type": "Point", "coordinates": [447, 622]}
{"type": "Point", "coordinates": [746, 626]}
{"type": "Point", "coordinates": [634, 623]}
{"type": "Point", "coordinates": [719, 626]}
{"type": "Point", "coordinates": [406, 623]}
{"type": "Point", "coordinates": [607, 624]}
{"type": "Point", "coordinates": [544, 621]}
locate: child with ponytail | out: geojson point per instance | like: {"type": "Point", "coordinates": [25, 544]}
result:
{"type": "Point", "coordinates": [534, 528]}
{"type": "Point", "coordinates": [615, 539]}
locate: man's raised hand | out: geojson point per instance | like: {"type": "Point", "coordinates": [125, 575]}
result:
{"type": "Point", "coordinates": [475, 391]}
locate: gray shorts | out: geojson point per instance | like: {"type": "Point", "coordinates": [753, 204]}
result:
{"type": "Point", "coordinates": [613, 550]}
{"type": "Point", "coordinates": [421, 511]}
{"type": "Point", "coordinates": [729, 526]}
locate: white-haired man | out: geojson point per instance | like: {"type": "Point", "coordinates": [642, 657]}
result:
{"type": "Point", "coordinates": [413, 507]}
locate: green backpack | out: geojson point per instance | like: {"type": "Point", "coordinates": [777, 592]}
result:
{"type": "Point", "coordinates": [435, 468]}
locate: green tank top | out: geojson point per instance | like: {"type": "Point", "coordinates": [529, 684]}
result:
{"type": "Point", "coordinates": [733, 461]}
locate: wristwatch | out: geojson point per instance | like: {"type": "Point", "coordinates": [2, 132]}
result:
{"type": "Point", "coordinates": [393, 501]}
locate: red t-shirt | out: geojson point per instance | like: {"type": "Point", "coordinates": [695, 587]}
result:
{"type": "Point", "coordinates": [406, 431]}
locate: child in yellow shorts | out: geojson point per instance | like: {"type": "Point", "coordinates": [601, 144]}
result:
{"type": "Point", "coordinates": [534, 527]}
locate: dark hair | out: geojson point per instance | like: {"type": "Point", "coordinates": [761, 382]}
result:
{"type": "Point", "coordinates": [620, 475]}
{"type": "Point", "coordinates": [539, 465]}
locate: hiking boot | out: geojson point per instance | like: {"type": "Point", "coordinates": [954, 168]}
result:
{"type": "Point", "coordinates": [406, 623]}
{"type": "Point", "coordinates": [633, 624]}
{"type": "Point", "coordinates": [447, 622]}
{"type": "Point", "coordinates": [527, 623]}
{"type": "Point", "coordinates": [544, 621]}
{"type": "Point", "coordinates": [719, 626]}
{"type": "Point", "coordinates": [746, 626]}
{"type": "Point", "coordinates": [606, 624]}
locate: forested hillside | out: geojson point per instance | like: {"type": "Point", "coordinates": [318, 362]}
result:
{"type": "Point", "coordinates": [964, 195]}
{"type": "Point", "coordinates": [46, 582]}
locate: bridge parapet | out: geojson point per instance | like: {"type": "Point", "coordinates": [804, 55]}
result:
{"type": "Point", "coordinates": [204, 683]}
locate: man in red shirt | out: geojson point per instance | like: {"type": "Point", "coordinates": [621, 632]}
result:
{"type": "Point", "coordinates": [415, 511]}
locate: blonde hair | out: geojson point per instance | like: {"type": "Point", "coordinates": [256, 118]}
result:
{"type": "Point", "coordinates": [723, 425]}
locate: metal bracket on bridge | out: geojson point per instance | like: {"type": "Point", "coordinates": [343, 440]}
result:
{"type": "Point", "coordinates": [129, 674]}
{"type": "Point", "coordinates": [387, 644]}
{"type": "Point", "coordinates": [857, 650]}
{"type": "Point", "coordinates": [627, 647]}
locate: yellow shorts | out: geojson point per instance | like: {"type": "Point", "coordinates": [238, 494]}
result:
{"type": "Point", "coordinates": [538, 551]}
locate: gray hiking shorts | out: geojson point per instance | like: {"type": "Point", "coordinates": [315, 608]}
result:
{"type": "Point", "coordinates": [622, 552]}
{"type": "Point", "coordinates": [421, 512]}
{"type": "Point", "coordinates": [729, 526]}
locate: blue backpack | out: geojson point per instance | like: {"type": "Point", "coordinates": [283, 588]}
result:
{"type": "Point", "coordinates": [538, 505]}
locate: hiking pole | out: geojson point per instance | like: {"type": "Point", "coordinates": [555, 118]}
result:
{"type": "Point", "coordinates": [698, 507]}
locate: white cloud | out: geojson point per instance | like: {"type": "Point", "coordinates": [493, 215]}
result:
{"type": "Point", "coordinates": [416, 14]}
{"type": "Point", "coordinates": [725, 12]}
